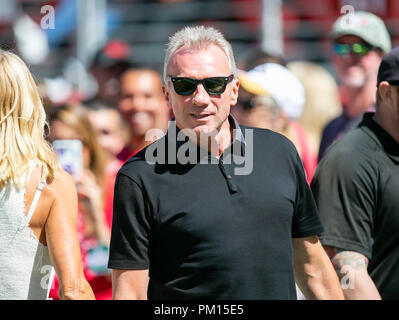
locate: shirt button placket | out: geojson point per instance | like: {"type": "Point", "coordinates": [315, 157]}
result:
{"type": "Point", "coordinates": [229, 179]}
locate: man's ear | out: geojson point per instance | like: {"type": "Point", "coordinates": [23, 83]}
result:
{"type": "Point", "coordinates": [166, 95]}
{"type": "Point", "coordinates": [384, 89]}
{"type": "Point", "coordinates": [234, 91]}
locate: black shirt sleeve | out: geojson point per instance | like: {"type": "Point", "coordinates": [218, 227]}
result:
{"type": "Point", "coordinates": [306, 221]}
{"type": "Point", "coordinates": [130, 226]}
{"type": "Point", "coordinates": [343, 190]}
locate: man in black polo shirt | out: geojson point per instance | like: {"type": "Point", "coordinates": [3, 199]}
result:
{"type": "Point", "coordinates": [225, 217]}
{"type": "Point", "coordinates": [356, 190]}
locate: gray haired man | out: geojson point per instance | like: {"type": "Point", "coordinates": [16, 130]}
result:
{"type": "Point", "coordinates": [198, 229]}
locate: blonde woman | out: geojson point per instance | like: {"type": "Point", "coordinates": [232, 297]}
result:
{"type": "Point", "coordinates": [38, 200]}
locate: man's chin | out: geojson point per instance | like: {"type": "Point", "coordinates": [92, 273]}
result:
{"type": "Point", "coordinates": [357, 84]}
{"type": "Point", "coordinates": [140, 131]}
{"type": "Point", "coordinates": [354, 80]}
{"type": "Point", "coordinates": [205, 129]}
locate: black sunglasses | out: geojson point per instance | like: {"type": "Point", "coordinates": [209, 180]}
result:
{"type": "Point", "coordinates": [214, 86]}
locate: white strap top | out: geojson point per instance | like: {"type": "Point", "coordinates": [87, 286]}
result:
{"type": "Point", "coordinates": [35, 200]}
{"type": "Point", "coordinates": [26, 271]}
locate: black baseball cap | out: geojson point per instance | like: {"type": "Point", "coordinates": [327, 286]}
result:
{"type": "Point", "coordinates": [389, 68]}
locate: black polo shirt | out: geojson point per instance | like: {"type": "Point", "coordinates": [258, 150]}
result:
{"type": "Point", "coordinates": [356, 189]}
{"type": "Point", "coordinates": [207, 231]}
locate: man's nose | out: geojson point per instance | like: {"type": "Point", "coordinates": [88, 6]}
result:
{"type": "Point", "coordinates": [354, 58]}
{"type": "Point", "coordinates": [200, 96]}
{"type": "Point", "coordinates": [137, 103]}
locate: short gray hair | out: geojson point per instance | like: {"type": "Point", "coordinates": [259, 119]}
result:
{"type": "Point", "coordinates": [198, 37]}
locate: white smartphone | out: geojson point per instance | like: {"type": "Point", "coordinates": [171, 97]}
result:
{"type": "Point", "coordinates": [69, 154]}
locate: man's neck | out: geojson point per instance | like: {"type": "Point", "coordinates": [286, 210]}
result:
{"type": "Point", "coordinates": [359, 100]}
{"type": "Point", "coordinates": [218, 141]}
{"type": "Point", "coordinates": [137, 143]}
{"type": "Point", "coordinates": [389, 124]}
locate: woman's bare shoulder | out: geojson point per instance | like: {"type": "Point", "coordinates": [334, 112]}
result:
{"type": "Point", "coordinates": [62, 185]}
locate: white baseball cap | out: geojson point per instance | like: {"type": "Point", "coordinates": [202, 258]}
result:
{"type": "Point", "coordinates": [280, 83]}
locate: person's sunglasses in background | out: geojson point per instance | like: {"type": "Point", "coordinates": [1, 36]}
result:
{"type": "Point", "coordinates": [360, 49]}
{"type": "Point", "coordinates": [186, 86]}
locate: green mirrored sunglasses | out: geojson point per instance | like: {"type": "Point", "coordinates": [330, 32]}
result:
{"type": "Point", "coordinates": [359, 49]}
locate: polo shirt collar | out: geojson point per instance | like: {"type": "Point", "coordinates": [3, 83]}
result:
{"type": "Point", "coordinates": [237, 146]}
{"type": "Point", "coordinates": [238, 142]}
{"type": "Point", "coordinates": [389, 144]}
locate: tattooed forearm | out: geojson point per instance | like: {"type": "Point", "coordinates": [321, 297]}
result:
{"type": "Point", "coordinates": [349, 258]}
{"type": "Point", "coordinates": [351, 268]}
{"type": "Point", "coordinates": [346, 259]}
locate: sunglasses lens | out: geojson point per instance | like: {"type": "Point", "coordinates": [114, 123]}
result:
{"type": "Point", "coordinates": [184, 87]}
{"type": "Point", "coordinates": [360, 49]}
{"type": "Point", "coordinates": [341, 49]}
{"type": "Point", "coordinates": [215, 85]}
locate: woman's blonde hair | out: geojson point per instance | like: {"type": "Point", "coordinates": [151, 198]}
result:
{"type": "Point", "coordinates": [22, 124]}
